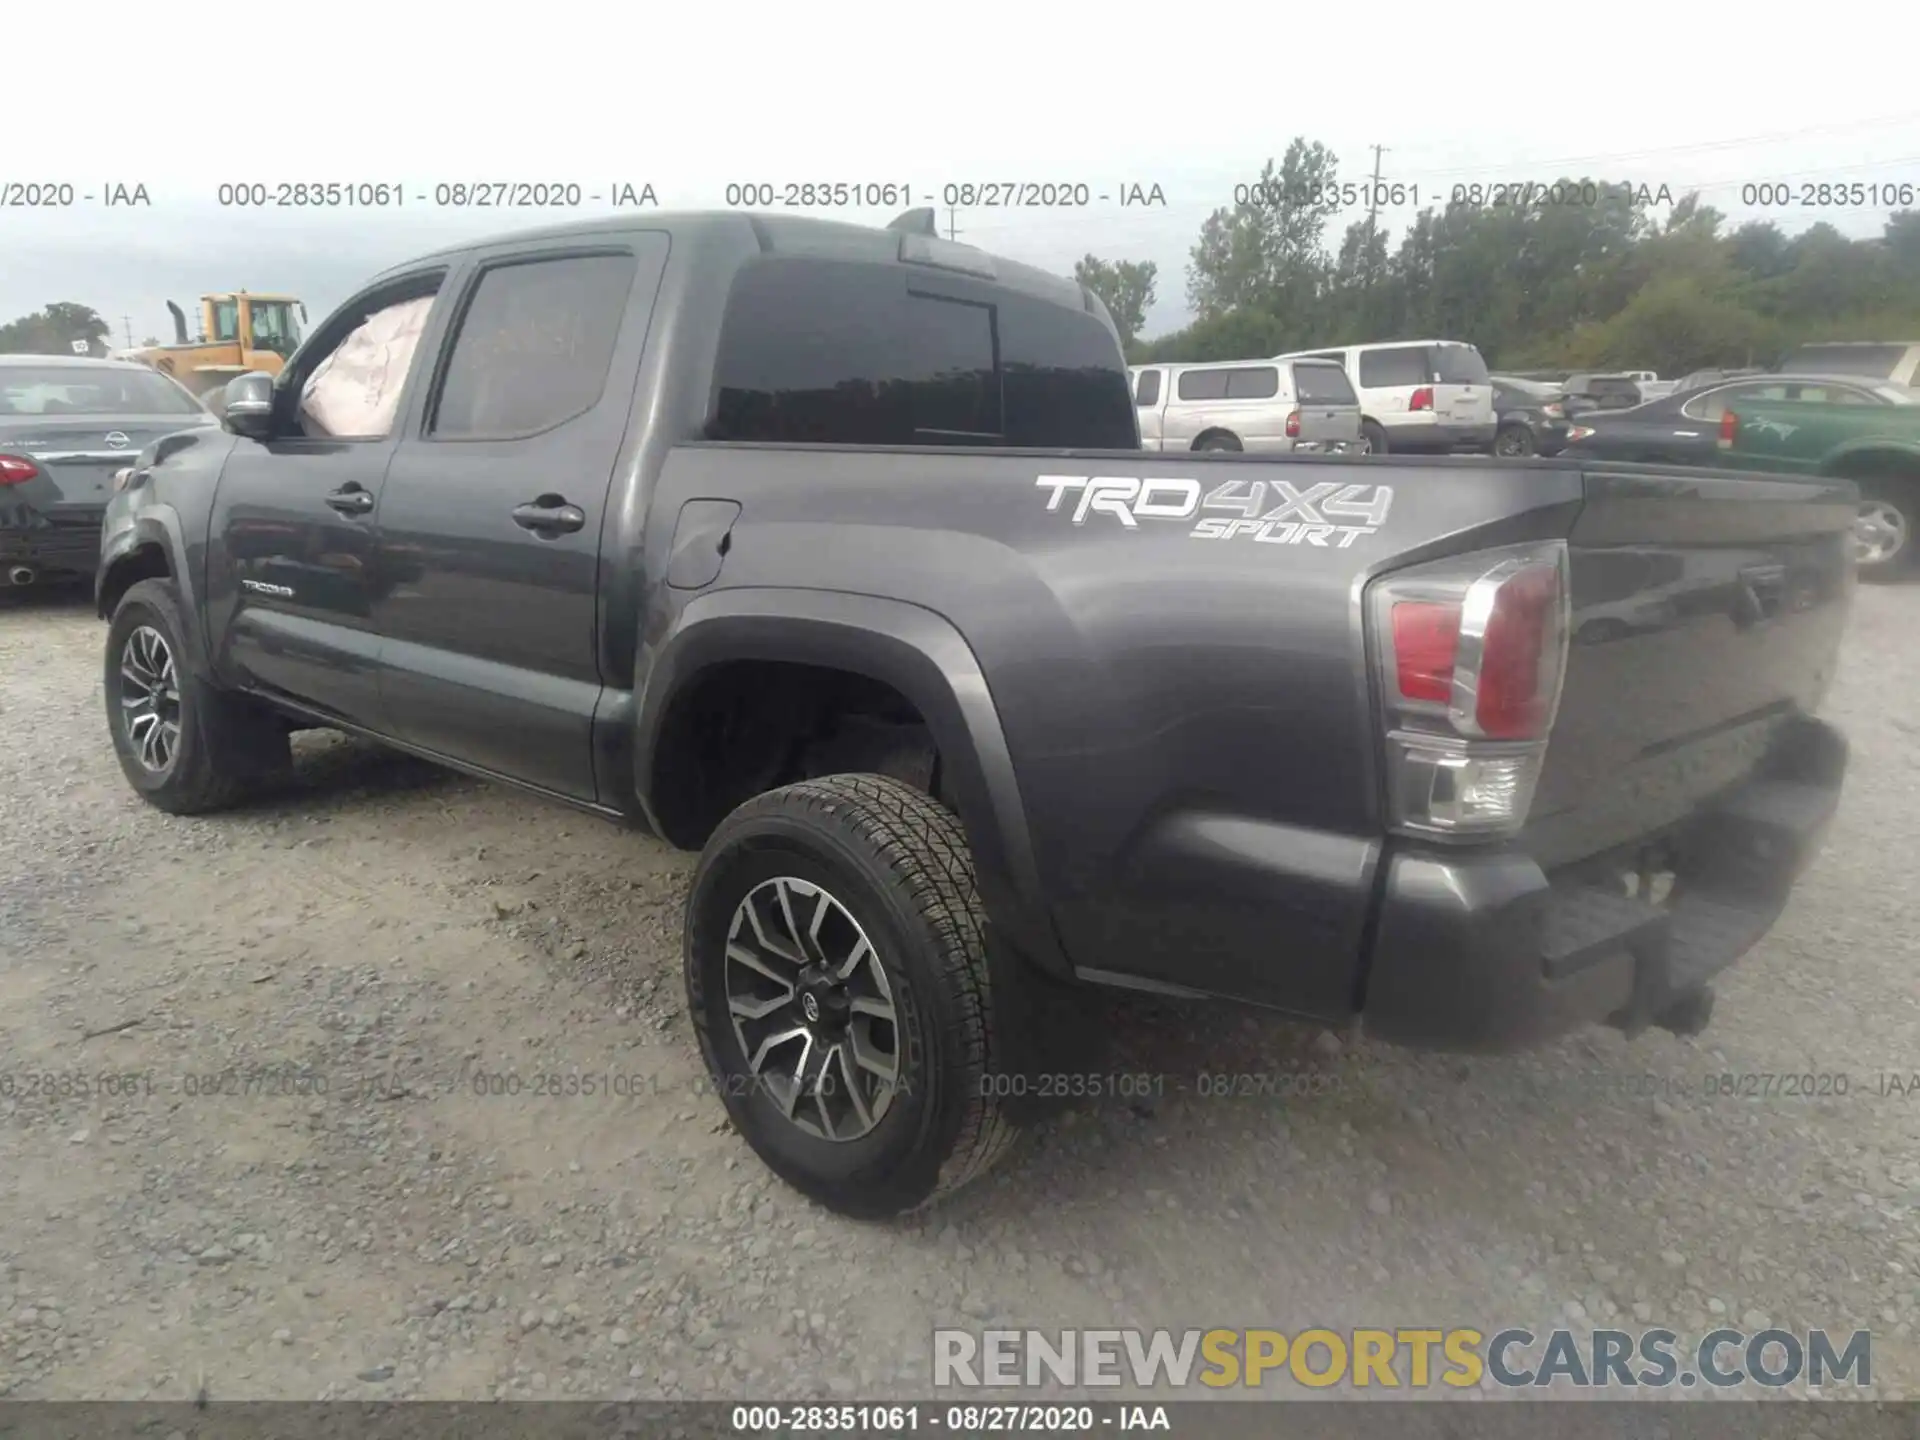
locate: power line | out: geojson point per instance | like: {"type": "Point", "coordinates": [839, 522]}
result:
{"type": "Point", "coordinates": [1700, 147]}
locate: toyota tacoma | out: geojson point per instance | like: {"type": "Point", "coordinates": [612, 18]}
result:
{"type": "Point", "coordinates": [831, 552]}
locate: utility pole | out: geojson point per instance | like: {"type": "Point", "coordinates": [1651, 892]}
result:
{"type": "Point", "coordinates": [951, 232]}
{"type": "Point", "coordinates": [126, 323]}
{"type": "Point", "coordinates": [1373, 211]}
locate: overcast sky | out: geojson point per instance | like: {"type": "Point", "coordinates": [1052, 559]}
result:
{"type": "Point", "coordinates": [922, 95]}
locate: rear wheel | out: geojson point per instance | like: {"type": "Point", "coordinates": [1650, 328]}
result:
{"type": "Point", "coordinates": [837, 978]}
{"type": "Point", "coordinates": [1883, 532]}
{"type": "Point", "coordinates": [185, 745]}
{"type": "Point", "coordinates": [1375, 435]}
{"type": "Point", "coordinates": [1221, 441]}
{"type": "Point", "coordinates": [1513, 440]}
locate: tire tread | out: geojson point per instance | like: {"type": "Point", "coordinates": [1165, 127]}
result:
{"type": "Point", "coordinates": [924, 848]}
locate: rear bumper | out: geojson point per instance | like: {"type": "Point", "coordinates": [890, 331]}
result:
{"type": "Point", "coordinates": [70, 545]}
{"type": "Point", "coordinates": [1442, 439]}
{"type": "Point", "coordinates": [1488, 952]}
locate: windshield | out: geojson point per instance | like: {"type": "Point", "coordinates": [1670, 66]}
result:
{"type": "Point", "coordinates": [72, 390]}
{"type": "Point", "coordinates": [274, 326]}
{"type": "Point", "coordinates": [1879, 361]}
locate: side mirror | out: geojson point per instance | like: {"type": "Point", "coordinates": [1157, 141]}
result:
{"type": "Point", "coordinates": [248, 405]}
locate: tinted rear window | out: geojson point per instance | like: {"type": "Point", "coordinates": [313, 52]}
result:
{"type": "Point", "coordinates": [83, 390]}
{"type": "Point", "coordinates": [1878, 361]}
{"type": "Point", "coordinates": [1322, 385]}
{"type": "Point", "coordinates": [1148, 391]}
{"type": "Point", "coordinates": [1459, 365]}
{"type": "Point", "coordinates": [1203, 384]}
{"type": "Point", "coordinates": [1613, 387]}
{"type": "Point", "coordinates": [1260, 384]}
{"type": "Point", "coordinates": [853, 353]}
{"type": "Point", "coordinates": [1396, 365]}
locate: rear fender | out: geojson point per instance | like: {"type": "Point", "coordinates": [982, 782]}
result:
{"type": "Point", "coordinates": [919, 654]}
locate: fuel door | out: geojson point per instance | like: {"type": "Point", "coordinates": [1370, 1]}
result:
{"type": "Point", "coordinates": [701, 537]}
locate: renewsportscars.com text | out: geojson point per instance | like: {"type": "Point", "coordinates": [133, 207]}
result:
{"type": "Point", "coordinates": [1398, 1358]}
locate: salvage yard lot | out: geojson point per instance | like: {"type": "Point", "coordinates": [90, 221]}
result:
{"type": "Point", "coordinates": [384, 1087]}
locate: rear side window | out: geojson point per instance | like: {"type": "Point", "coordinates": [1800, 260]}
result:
{"type": "Point", "coordinates": [1262, 383]}
{"type": "Point", "coordinates": [1203, 384]}
{"type": "Point", "coordinates": [1395, 365]}
{"type": "Point", "coordinates": [833, 352]}
{"type": "Point", "coordinates": [1148, 393]}
{"type": "Point", "coordinates": [1833, 395]}
{"type": "Point", "coordinates": [1063, 375]}
{"type": "Point", "coordinates": [1715, 403]}
{"type": "Point", "coordinates": [1459, 365]}
{"type": "Point", "coordinates": [1322, 385]}
{"type": "Point", "coordinates": [533, 348]}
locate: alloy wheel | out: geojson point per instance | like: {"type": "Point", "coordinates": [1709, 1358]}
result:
{"type": "Point", "coordinates": [1879, 532]}
{"type": "Point", "coordinates": [150, 699]}
{"type": "Point", "coordinates": [812, 1009]}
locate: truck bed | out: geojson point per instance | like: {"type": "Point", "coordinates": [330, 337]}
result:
{"type": "Point", "coordinates": [1175, 648]}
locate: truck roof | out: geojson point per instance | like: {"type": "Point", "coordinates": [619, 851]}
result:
{"type": "Point", "coordinates": [775, 235]}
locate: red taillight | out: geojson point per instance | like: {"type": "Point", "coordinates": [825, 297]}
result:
{"type": "Point", "coordinates": [1519, 656]}
{"type": "Point", "coordinates": [1426, 637]}
{"type": "Point", "coordinates": [1729, 428]}
{"type": "Point", "coordinates": [1472, 651]}
{"type": "Point", "coordinates": [1293, 425]}
{"type": "Point", "coordinates": [1422, 399]}
{"type": "Point", "coordinates": [17, 470]}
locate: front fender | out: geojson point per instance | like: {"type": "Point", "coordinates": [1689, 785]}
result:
{"type": "Point", "coordinates": [919, 654]}
{"type": "Point", "coordinates": [127, 541]}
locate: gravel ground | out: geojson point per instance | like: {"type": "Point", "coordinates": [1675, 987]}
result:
{"type": "Point", "coordinates": [257, 1138]}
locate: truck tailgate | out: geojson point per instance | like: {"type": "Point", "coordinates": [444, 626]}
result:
{"type": "Point", "coordinates": [1707, 612]}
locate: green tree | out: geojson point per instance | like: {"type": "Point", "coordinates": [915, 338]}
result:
{"type": "Point", "coordinates": [1125, 287]}
{"type": "Point", "coordinates": [1602, 282]}
{"type": "Point", "coordinates": [1268, 252]}
{"type": "Point", "coordinates": [53, 331]}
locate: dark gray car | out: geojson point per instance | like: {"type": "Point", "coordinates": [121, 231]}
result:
{"type": "Point", "coordinates": [832, 553]}
{"type": "Point", "coordinates": [67, 425]}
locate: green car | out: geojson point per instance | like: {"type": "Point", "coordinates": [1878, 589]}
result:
{"type": "Point", "coordinates": [1876, 446]}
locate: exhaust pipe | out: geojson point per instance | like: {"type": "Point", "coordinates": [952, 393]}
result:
{"type": "Point", "coordinates": [22, 575]}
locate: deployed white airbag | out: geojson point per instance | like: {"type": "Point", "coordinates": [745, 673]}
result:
{"type": "Point", "coordinates": [356, 390]}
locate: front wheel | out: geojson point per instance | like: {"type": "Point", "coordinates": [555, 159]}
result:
{"type": "Point", "coordinates": [1883, 546]}
{"type": "Point", "coordinates": [837, 978]}
{"type": "Point", "coordinates": [1375, 436]}
{"type": "Point", "coordinates": [184, 745]}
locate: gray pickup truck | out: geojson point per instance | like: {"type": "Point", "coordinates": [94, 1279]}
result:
{"type": "Point", "coordinates": [832, 552]}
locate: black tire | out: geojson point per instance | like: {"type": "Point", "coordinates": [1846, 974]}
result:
{"type": "Point", "coordinates": [1375, 434]}
{"type": "Point", "coordinates": [897, 863]}
{"type": "Point", "coordinates": [224, 743]}
{"type": "Point", "coordinates": [1219, 442]}
{"type": "Point", "coordinates": [1893, 501]}
{"type": "Point", "coordinates": [1513, 441]}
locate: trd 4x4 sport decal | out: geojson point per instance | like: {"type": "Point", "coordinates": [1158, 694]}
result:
{"type": "Point", "coordinates": [1273, 512]}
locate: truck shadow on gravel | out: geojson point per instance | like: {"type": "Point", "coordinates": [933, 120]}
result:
{"type": "Point", "coordinates": [334, 772]}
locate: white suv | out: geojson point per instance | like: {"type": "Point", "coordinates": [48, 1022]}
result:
{"type": "Point", "coordinates": [1418, 395]}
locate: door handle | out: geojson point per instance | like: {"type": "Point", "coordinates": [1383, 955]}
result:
{"type": "Point", "coordinates": [351, 500]}
{"type": "Point", "coordinates": [549, 515]}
